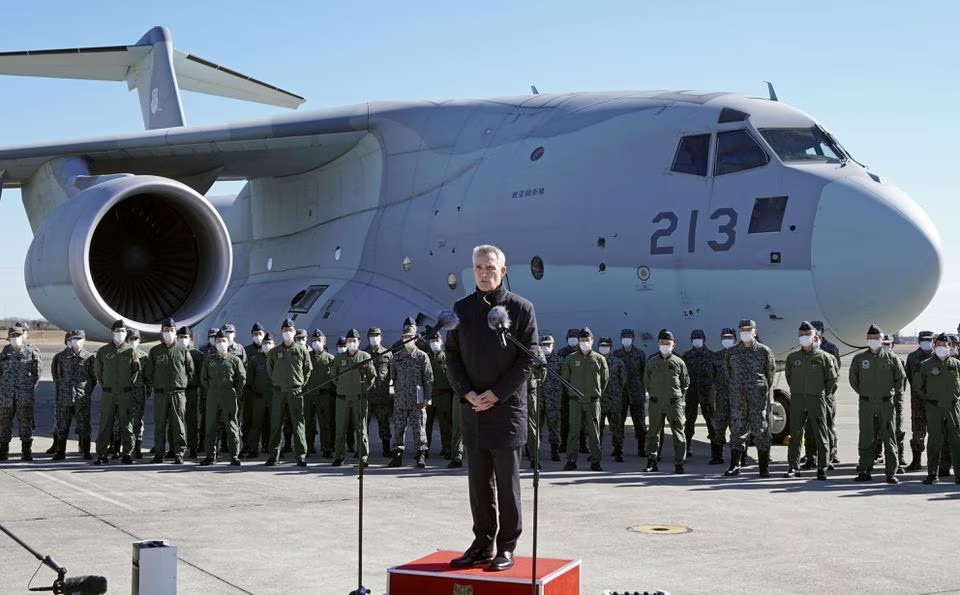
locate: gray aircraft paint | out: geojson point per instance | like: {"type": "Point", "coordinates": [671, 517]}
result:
{"type": "Point", "coordinates": [382, 203]}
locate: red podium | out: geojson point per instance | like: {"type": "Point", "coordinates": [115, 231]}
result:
{"type": "Point", "coordinates": [432, 575]}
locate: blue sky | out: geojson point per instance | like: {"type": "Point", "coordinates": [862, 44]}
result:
{"type": "Point", "coordinates": [882, 76]}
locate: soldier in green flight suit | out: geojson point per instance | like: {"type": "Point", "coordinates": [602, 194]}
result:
{"type": "Point", "coordinates": [938, 382]}
{"type": "Point", "coordinates": [289, 368]}
{"type": "Point", "coordinates": [261, 389]}
{"type": "Point", "coordinates": [192, 416]}
{"type": "Point", "coordinates": [812, 376]}
{"type": "Point", "coordinates": [586, 370]}
{"type": "Point", "coordinates": [667, 380]}
{"type": "Point", "coordinates": [319, 395]}
{"type": "Point", "coordinates": [117, 368]}
{"type": "Point", "coordinates": [223, 377]}
{"type": "Point", "coordinates": [169, 369]}
{"type": "Point", "coordinates": [352, 389]}
{"type": "Point", "coordinates": [442, 397]}
{"type": "Point", "coordinates": [877, 376]}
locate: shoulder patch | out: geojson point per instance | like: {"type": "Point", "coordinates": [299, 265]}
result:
{"type": "Point", "coordinates": [865, 364]}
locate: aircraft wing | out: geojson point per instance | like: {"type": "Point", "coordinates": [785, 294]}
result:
{"type": "Point", "coordinates": [278, 146]}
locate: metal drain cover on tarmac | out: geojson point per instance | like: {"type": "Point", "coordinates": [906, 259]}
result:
{"type": "Point", "coordinates": [660, 529]}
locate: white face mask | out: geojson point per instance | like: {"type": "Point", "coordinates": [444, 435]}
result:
{"type": "Point", "coordinates": [266, 347]}
{"type": "Point", "coordinates": [727, 343]}
{"type": "Point", "coordinates": [746, 336]}
{"type": "Point", "coordinates": [119, 336]}
{"type": "Point", "coordinates": [805, 340]}
{"type": "Point", "coordinates": [586, 346]}
{"type": "Point", "coordinates": [317, 346]}
{"type": "Point", "coordinates": [168, 337]}
{"type": "Point", "coordinates": [410, 345]}
{"type": "Point", "coordinates": [375, 341]}
{"type": "Point", "coordinates": [257, 338]}
{"type": "Point", "coordinates": [353, 346]}
{"type": "Point", "coordinates": [666, 349]}
{"type": "Point", "coordinates": [926, 345]}
{"type": "Point", "coordinates": [287, 336]}
{"type": "Point", "coordinates": [604, 350]}
{"type": "Point", "coordinates": [435, 346]}
{"type": "Point", "coordinates": [888, 347]}
{"type": "Point", "coordinates": [942, 351]}
{"type": "Point", "coordinates": [341, 349]}
{"type": "Point", "coordinates": [626, 341]}
{"type": "Point", "coordinates": [546, 349]}
{"type": "Point", "coordinates": [16, 341]}
{"type": "Point", "coordinates": [572, 342]}
{"type": "Point", "coordinates": [222, 347]}
{"type": "Point", "coordinates": [185, 341]}
{"type": "Point", "coordinates": [874, 344]}
{"type": "Point", "coordinates": [698, 343]}
{"type": "Point", "coordinates": [302, 342]}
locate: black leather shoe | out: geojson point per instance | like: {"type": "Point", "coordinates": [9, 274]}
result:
{"type": "Point", "coordinates": [503, 561]}
{"type": "Point", "coordinates": [472, 557]}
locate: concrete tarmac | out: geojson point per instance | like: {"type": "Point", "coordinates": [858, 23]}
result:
{"type": "Point", "coordinates": [286, 529]}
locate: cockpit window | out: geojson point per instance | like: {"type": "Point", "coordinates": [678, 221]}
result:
{"type": "Point", "coordinates": [692, 154]}
{"type": "Point", "coordinates": [803, 145]}
{"type": "Point", "coordinates": [737, 151]}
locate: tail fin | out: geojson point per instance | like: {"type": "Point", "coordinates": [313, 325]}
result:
{"type": "Point", "coordinates": [154, 68]}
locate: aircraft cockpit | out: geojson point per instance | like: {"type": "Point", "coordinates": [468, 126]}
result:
{"type": "Point", "coordinates": [804, 145]}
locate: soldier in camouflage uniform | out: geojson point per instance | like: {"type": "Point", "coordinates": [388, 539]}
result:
{"type": "Point", "coordinates": [75, 382]}
{"type": "Point", "coordinates": [56, 391]}
{"type": "Point", "coordinates": [192, 416]}
{"type": "Point", "coordinates": [551, 390]}
{"type": "Point", "coordinates": [635, 400]}
{"type": "Point", "coordinates": [611, 400]}
{"type": "Point", "coordinates": [751, 368]}
{"type": "Point", "coordinates": [413, 384]}
{"type": "Point", "coordinates": [918, 414]}
{"type": "Point", "coordinates": [723, 395]}
{"type": "Point", "coordinates": [19, 376]}
{"type": "Point", "coordinates": [380, 397]}
{"type": "Point", "coordinates": [700, 365]}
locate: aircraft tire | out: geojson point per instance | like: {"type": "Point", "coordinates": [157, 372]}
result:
{"type": "Point", "coordinates": [780, 415]}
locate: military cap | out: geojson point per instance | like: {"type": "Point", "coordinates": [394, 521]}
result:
{"type": "Point", "coordinates": [352, 334]}
{"type": "Point", "coordinates": [15, 331]}
{"type": "Point", "coordinates": [665, 335]}
{"type": "Point", "coordinates": [409, 329]}
{"type": "Point", "coordinates": [698, 334]}
{"type": "Point", "coordinates": [212, 332]}
{"type": "Point", "coordinates": [928, 335]}
{"type": "Point", "coordinates": [267, 337]}
{"type": "Point", "coordinates": [409, 321]}
{"type": "Point", "coordinates": [168, 322]}
{"type": "Point", "coordinates": [318, 334]}
{"type": "Point", "coordinates": [77, 334]}
{"type": "Point", "coordinates": [228, 328]}
{"type": "Point", "coordinates": [184, 331]}
{"type": "Point", "coordinates": [585, 333]}
{"type": "Point", "coordinates": [627, 332]}
{"type": "Point", "coordinates": [746, 322]}
{"type": "Point", "coordinates": [341, 341]}
{"type": "Point", "coordinates": [817, 324]}
{"type": "Point", "coordinates": [573, 332]}
{"type": "Point", "coordinates": [132, 333]}
{"type": "Point", "coordinates": [874, 330]}
{"type": "Point", "coordinates": [546, 339]}
{"type": "Point", "coordinates": [257, 328]}
{"type": "Point", "coordinates": [943, 337]}
{"type": "Point", "coordinates": [953, 338]}
{"type": "Point", "coordinates": [806, 326]}
{"type": "Point", "coordinates": [300, 334]}
{"type": "Point", "coordinates": [118, 325]}
{"type": "Point", "coordinates": [66, 337]}
{"type": "Point", "coordinates": [373, 331]}
{"type": "Point", "coordinates": [728, 332]}
{"type": "Point", "coordinates": [221, 334]}
{"type": "Point", "coordinates": [606, 341]}
{"type": "Point", "coordinates": [287, 323]}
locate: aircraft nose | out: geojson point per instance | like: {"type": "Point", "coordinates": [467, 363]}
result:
{"type": "Point", "coordinates": [875, 257]}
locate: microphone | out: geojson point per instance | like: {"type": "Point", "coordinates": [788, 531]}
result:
{"type": "Point", "coordinates": [446, 320]}
{"type": "Point", "coordinates": [498, 319]}
{"type": "Point", "coordinates": [85, 585]}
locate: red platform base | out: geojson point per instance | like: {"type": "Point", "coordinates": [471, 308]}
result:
{"type": "Point", "coordinates": [432, 575]}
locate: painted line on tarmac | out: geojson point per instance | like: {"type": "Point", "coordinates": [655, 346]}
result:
{"type": "Point", "coordinates": [87, 492]}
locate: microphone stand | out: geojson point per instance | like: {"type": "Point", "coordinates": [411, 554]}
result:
{"type": "Point", "coordinates": [48, 561]}
{"type": "Point", "coordinates": [535, 458]}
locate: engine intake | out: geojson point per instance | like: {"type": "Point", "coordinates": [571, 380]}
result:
{"type": "Point", "coordinates": [140, 248]}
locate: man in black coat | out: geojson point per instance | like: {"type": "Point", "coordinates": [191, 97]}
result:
{"type": "Point", "coordinates": [490, 381]}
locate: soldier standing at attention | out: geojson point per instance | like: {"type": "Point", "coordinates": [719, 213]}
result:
{"type": "Point", "coordinates": [117, 368]}
{"type": "Point", "coordinates": [54, 374]}
{"type": "Point", "coordinates": [19, 376]}
{"type": "Point", "coordinates": [317, 400]}
{"type": "Point", "coordinates": [552, 390]}
{"type": "Point", "coordinates": [352, 389]}
{"type": "Point", "coordinates": [262, 389]}
{"type": "Point", "coordinates": [379, 398]}
{"type": "Point", "coordinates": [138, 401]}
{"type": "Point", "coordinates": [257, 333]}
{"type": "Point", "coordinates": [831, 349]}
{"type": "Point", "coordinates": [289, 368]}
{"type": "Point", "coordinates": [918, 412]}
{"type": "Point", "coordinates": [667, 378]}
{"type": "Point", "coordinates": [811, 375]}
{"type": "Point", "coordinates": [563, 352]}
{"type": "Point", "coordinates": [722, 385]}
{"type": "Point", "coordinates": [751, 368]}
{"type": "Point", "coordinates": [75, 383]}
{"type": "Point", "coordinates": [611, 401]}
{"type": "Point", "coordinates": [442, 397]}
{"type": "Point", "coordinates": [169, 368]}
{"type": "Point", "coordinates": [534, 403]}
{"type": "Point", "coordinates": [635, 400]}
{"type": "Point", "coordinates": [191, 416]}
{"type": "Point", "coordinates": [898, 406]}
{"type": "Point", "coordinates": [587, 371]}
{"type": "Point", "coordinates": [223, 377]}
{"type": "Point", "coordinates": [938, 383]}
{"type": "Point", "coordinates": [699, 361]}
{"type": "Point", "coordinates": [413, 384]}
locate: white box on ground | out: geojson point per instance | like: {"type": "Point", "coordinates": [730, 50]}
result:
{"type": "Point", "coordinates": [154, 568]}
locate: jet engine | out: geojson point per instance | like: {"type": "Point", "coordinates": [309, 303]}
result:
{"type": "Point", "coordinates": [137, 248]}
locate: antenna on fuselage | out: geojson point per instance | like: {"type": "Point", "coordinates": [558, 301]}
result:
{"type": "Point", "coordinates": [533, 89]}
{"type": "Point", "coordinates": [771, 91]}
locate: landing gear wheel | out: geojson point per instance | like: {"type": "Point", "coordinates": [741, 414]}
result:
{"type": "Point", "coordinates": [780, 415]}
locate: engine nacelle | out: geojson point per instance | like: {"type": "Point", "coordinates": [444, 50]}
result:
{"type": "Point", "coordinates": [138, 248]}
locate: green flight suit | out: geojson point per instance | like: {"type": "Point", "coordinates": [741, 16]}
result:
{"type": "Point", "coordinates": [352, 404]}
{"type": "Point", "coordinates": [589, 374]}
{"type": "Point", "coordinates": [318, 403]}
{"type": "Point", "coordinates": [191, 417]}
{"type": "Point", "coordinates": [667, 381]}
{"type": "Point", "coordinates": [938, 382]}
{"type": "Point", "coordinates": [289, 368]}
{"type": "Point", "coordinates": [878, 379]}
{"type": "Point", "coordinates": [259, 396]}
{"type": "Point", "coordinates": [811, 375]}
{"type": "Point", "coordinates": [169, 369]}
{"type": "Point", "coordinates": [223, 377]}
{"type": "Point", "coordinates": [117, 370]}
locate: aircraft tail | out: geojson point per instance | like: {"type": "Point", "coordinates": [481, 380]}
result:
{"type": "Point", "coordinates": [154, 68]}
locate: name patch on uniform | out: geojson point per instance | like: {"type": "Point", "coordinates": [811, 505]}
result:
{"type": "Point", "coordinates": [865, 364]}
{"type": "Point", "coordinates": [935, 371]}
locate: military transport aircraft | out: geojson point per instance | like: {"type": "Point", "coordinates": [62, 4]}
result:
{"type": "Point", "coordinates": [675, 209]}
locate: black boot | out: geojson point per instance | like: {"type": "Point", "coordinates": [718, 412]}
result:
{"type": "Point", "coordinates": [61, 449]}
{"type": "Point", "coordinates": [54, 447]}
{"type": "Point", "coordinates": [421, 459]}
{"type": "Point", "coordinates": [397, 459]}
{"type": "Point", "coordinates": [4, 450]}
{"type": "Point", "coordinates": [386, 448]}
{"type": "Point", "coordinates": [652, 466]}
{"type": "Point", "coordinates": [736, 457]}
{"type": "Point", "coordinates": [716, 454]}
{"type": "Point", "coordinates": [764, 456]}
{"type": "Point", "coordinates": [743, 458]}
{"type": "Point", "coordinates": [117, 447]}
{"type": "Point", "coordinates": [25, 449]}
{"type": "Point", "coordinates": [85, 449]}
{"type": "Point", "coordinates": [137, 453]}
{"type": "Point", "coordinates": [618, 454]}
{"type": "Point", "coordinates": [915, 462]}
{"type": "Point", "coordinates": [554, 452]}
